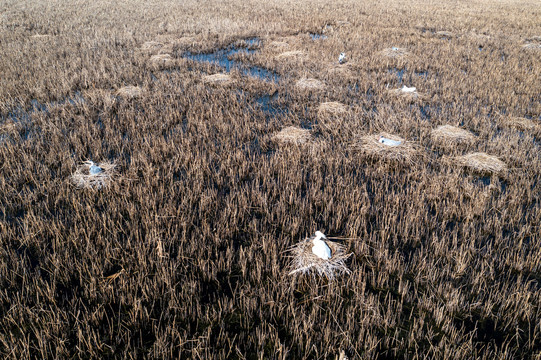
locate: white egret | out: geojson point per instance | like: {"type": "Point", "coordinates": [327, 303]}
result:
{"type": "Point", "coordinates": [408, 89]}
{"type": "Point", "coordinates": [320, 248]}
{"type": "Point", "coordinates": [342, 58]}
{"type": "Point", "coordinates": [389, 142]}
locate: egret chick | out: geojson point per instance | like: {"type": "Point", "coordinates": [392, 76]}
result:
{"type": "Point", "coordinates": [389, 142]}
{"type": "Point", "coordinates": [320, 248]}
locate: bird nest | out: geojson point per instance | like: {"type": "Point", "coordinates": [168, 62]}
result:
{"type": "Point", "coordinates": [294, 54]}
{"type": "Point", "coordinates": [218, 79]}
{"type": "Point", "coordinates": [394, 52]}
{"type": "Point", "coordinates": [129, 92]}
{"type": "Point", "coordinates": [407, 95]}
{"type": "Point", "coordinates": [331, 108]}
{"type": "Point", "coordinates": [521, 124]}
{"type": "Point", "coordinates": [278, 45]}
{"type": "Point", "coordinates": [161, 60]}
{"type": "Point", "coordinates": [309, 84]}
{"type": "Point", "coordinates": [452, 134]}
{"type": "Point", "coordinates": [304, 261]}
{"type": "Point", "coordinates": [482, 162]}
{"type": "Point", "coordinates": [370, 146]}
{"type": "Point", "coordinates": [293, 135]}
{"type": "Point", "coordinates": [151, 46]}
{"type": "Point", "coordinates": [83, 179]}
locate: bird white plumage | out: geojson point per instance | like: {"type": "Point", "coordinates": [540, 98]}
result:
{"type": "Point", "coordinates": [320, 248]}
{"type": "Point", "coordinates": [408, 89]}
{"type": "Point", "coordinates": [342, 58]}
{"type": "Point", "coordinates": [389, 142]}
{"type": "Point", "coordinates": [94, 169]}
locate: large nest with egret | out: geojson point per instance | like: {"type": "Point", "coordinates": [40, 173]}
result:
{"type": "Point", "coordinates": [293, 135]}
{"type": "Point", "coordinates": [407, 93]}
{"type": "Point", "coordinates": [90, 175]}
{"type": "Point", "coordinates": [305, 261]}
{"type": "Point", "coordinates": [482, 163]}
{"type": "Point", "coordinates": [386, 146]}
{"type": "Point", "coordinates": [452, 135]}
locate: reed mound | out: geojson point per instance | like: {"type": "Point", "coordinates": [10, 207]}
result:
{"type": "Point", "coordinates": [83, 179]}
{"type": "Point", "coordinates": [129, 92]}
{"type": "Point", "coordinates": [394, 52]}
{"type": "Point", "coordinates": [278, 45]}
{"type": "Point", "coordinates": [293, 135]}
{"type": "Point", "coordinates": [161, 60]}
{"type": "Point", "coordinates": [452, 135]}
{"type": "Point", "coordinates": [304, 261]}
{"type": "Point", "coordinates": [309, 84]}
{"type": "Point", "coordinates": [151, 46]}
{"type": "Point", "coordinates": [531, 46]}
{"type": "Point", "coordinates": [405, 95]}
{"type": "Point", "coordinates": [521, 124]}
{"type": "Point", "coordinates": [290, 55]}
{"type": "Point", "coordinates": [370, 146]}
{"type": "Point", "coordinates": [482, 162]}
{"type": "Point", "coordinates": [331, 108]}
{"type": "Point", "coordinates": [218, 79]}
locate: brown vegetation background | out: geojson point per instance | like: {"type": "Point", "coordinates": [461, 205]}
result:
{"type": "Point", "coordinates": [182, 256]}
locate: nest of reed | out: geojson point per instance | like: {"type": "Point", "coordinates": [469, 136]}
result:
{"type": "Point", "coordinates": [304, 261]}
{"type": "Point", "coordinates": [83, 179]}
{"type": "Point", "coordinates": [394, 52]}
{"type": "Point", "coordinates": [290, 55]}
{"type": "Point", "coordinates": [293, 135]}
{"type": "Point", "coordinates": [309, 84]}
{"type": "Point", "coordinates": [521, 124]}
{"type": "Point", "coordinates": [151, 46]}
{"type": "Point", "coordinates": [331, 108]}
{"type": "Point", "coordinates": [448, 134]}
{"type": "Point", "coordinates": [161, 60]}
{"type": "Point", "coordinates": [129, 92]}
{"type": "Point", "coordinates": [218, 79]}
{"type": "Point", "coordinates": [370, 146]}
{"type": "Point", "coordinates": [482, 163]}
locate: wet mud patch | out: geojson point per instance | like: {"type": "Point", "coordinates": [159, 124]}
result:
{"type": "Point", "coordinates": [228, 59]}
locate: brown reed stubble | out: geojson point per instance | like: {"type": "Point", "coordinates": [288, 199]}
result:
{"type": "Point", "coordinates": [444, 265]}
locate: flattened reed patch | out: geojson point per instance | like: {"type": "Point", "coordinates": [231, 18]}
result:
{"type": "Point", "coordinates": [452, 135]}
{"type": "Point", "coordinates": [89, 175]}
{"type": "Point", "coordinates": [293, 135]}
{"type": "Point", "coordinates": [481, 162]}
{"type": "Point", "coordinates": [522, 124]}
{"type": "Point", "coordinates": [151, 46]}
{"type": "Point", "coordinates": [331, 108]}
{"type": "Point", "coordinates": [290, 55]}
{"type": "Point", "coordinates": [304, 261]}
{"type": "Point", "coordinates": [394, 52]}
{"type": "Point", "coordinates": [218, 79]}
{"type": "Point", "coordinates": [129, 92]}
{"type": "Point", "coordinates": [309, 84]}
{"type": "Point", "coordinates": [161, 60]}
{"type": "Point", "coordinates": [370, 145]}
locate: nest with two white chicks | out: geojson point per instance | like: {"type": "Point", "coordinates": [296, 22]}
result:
{"type": "Point", "coordinates": [305, 259]}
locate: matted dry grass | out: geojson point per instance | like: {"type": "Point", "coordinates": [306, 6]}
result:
{"type": "Point", "coordinates": [451, 135]}
{"type": "Point", "coordinates": [482, 162]}
{"type": "Point", "coordinates": [151, 46]}
{"type": "Point", "coordinates": [293, 135]}
{"type": "Point", "coordinates": [370, 146]}
{"type": "Point", "coordinates": [522, 124]}
{"type": "Point", "coordinates": [129, 92]}
{"type": "Point", "coordinates": [161, 60]}
{"type": "Point", "coordinates": [291, 55]}
{"type": "Point", "coordinates": [83, 179]}
{"type": "Point", "coordinates": [218, 79]}
{"type": "Point", "coordinates": [395, 52]}
{"type": "Point", "coordinates": [304, 261]}
{"type": "Point", "coordinates": [309, 84]}
{"type": "Point", "coordinates": [331, 108]}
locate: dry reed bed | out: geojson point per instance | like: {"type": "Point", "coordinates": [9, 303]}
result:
{"type": "Point", "coordinates": [184, 260]}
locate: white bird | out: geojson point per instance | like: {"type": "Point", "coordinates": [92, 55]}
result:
{"type": "Point", "coordinates": [389, 142]}
{"type": "Point", "coordinates": [320, 248]}
{"type": "Point", "coordinates": [342, 58]}
{"type": "Point", "coordinates": [394, 48]}
{"type": "Point", "coordinates": [94, 169]}
{"type": "Point", "coordinates": [408, 89]}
